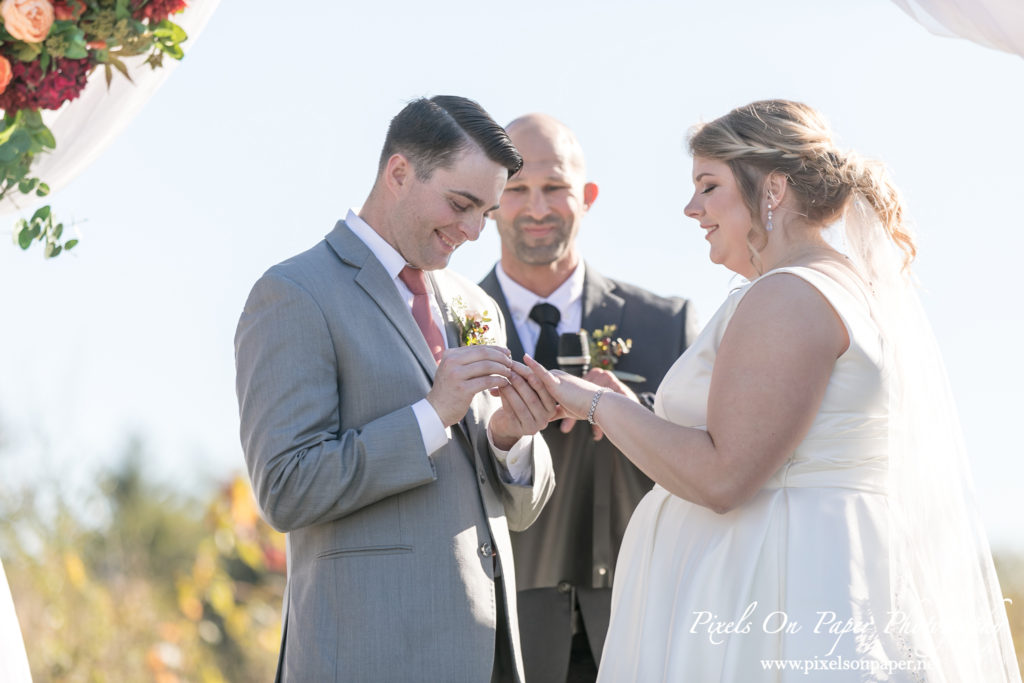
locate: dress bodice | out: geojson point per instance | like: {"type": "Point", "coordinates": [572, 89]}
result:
{"type": "Point", "coordinates": [847, 443]}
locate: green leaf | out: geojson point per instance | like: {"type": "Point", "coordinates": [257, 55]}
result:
{"type": "Point", "coordinates": [42, 213]}
{"type": "Point", "coordinates": [22, 140]}
{"type": "Point", "coordinates": [173, 51]}
{"type": "Point", "coordinates": [32, 118]}
{"type": "Point", "coordinates": [119, 65]}
{"type": "Point", "coordinates": [44, 62]}
{"type": "Point", "coordinates": [76, 51]}
{"type": "Point", "coordinates": [168, 29]}
{"type": "Point", "coordinates": [42, 190]}
{"type": "Point", "coordinates": [44, 138]}
{"type": "Point", "coordinates": [34, 231]}
{"type": "Point", "coordinates": [27, 185]}
{"type": "Point", "coordinates": [27, 52]}
{"type": "Point", "coordinates": [9, 153]}
{"type": "Point", "coordinates": [51, 250]}
{"type": "Point", "coordinates": [25, 238]}
{"type": "Point", "coordinates": [70, 244]}
{"type": "Point", "coordinates": [58, 231]}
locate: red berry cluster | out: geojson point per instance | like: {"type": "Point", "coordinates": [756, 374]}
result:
{"type": "Point", "coordinates": [158, 10]}
{"type": "Point", "coordinates": [30, 88]}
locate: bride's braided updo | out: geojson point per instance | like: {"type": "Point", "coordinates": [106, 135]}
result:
{"type": "Point", "coordinates": [779, 136]}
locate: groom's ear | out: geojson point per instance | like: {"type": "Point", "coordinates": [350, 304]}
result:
{"type": "Point", "coordinates": [397, 172]}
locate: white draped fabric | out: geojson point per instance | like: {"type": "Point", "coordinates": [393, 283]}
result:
{"type": "Point", "coordinates": [83, 129]}
{"type": "Point", "coordinates": [86, 126]}
{"type": "Point", "coordinates": [13, 663]}
{"type": "Point", "coordinates": [998, 24]}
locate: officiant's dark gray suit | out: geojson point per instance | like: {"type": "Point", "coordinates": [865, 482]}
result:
{"type": "Point", "coordinates": [569, 552]}
{"type": "Point", "coordinates": [391, 567]}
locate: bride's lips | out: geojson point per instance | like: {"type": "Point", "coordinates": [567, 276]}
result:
{"type": "Point", "coordinates": [708, 230]}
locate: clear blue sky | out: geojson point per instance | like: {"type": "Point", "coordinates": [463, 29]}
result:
{"type": "Point", "coordinates": [271, 129]}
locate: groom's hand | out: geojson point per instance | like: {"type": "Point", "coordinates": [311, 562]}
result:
{"type": "Point", "coordinates": [464, 372]}
{"type": "Point", "coordinates": [526, 408]}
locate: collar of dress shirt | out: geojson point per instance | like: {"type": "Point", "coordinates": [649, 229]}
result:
{"type": "Point", "coordinates": [568, 298]}
{"type": "Point", "coordinates": [393, 263]}
{"type": "Point", "coordinates": [385, 253]}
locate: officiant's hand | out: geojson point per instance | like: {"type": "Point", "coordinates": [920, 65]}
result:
{"type": "Point", "coordinates": [526, 408]}
{"type": "Point", "coordinates": [462, 373]}
{"type": "Point", "coordinates": [605, 379]}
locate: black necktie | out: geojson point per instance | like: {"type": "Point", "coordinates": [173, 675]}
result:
{"type": "Point", "coordinates": [546, 353]}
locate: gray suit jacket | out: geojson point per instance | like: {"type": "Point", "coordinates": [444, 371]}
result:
{"type": "Point", "coordinates": [571, 549]}
{"type": "Point", "coordinates": [390, 568]}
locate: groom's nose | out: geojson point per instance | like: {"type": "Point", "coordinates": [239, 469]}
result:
{"type": "Point", "coordinates": [472, 227]}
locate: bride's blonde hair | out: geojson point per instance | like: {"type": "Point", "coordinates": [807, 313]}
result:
{"type": "Point", "coordinates": [780, 136]}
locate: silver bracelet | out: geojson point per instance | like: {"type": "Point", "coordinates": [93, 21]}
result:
{"type": "Point", "coordinates": [593, 404]}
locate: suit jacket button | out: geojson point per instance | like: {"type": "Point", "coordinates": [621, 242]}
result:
{"type": "Point", "coordinates": [486, 550]}
{"type": "Point", "coordinates": [564, 586]}
{"type": "Point", "coordinates": [483, 478]}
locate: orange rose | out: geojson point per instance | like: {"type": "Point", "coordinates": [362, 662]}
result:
{"type": "Point", "coordinates": [5, 73]}
{"type": "Point", "coordinates": [28, 20]}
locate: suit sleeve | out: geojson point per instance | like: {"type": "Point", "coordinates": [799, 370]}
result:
{"type": "Point", "coordinates": [305, 468]}
{"type": "Point", "coordinates": [523, 502]}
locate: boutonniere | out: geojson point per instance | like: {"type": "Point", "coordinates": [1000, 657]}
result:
{"type": "Point", "coordinates": [606, 349]}
{"type": "Point", "coordinates": [473, 325]}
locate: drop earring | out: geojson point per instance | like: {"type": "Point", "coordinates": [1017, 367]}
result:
{"type": "Point", "coordinates": [770, 226]}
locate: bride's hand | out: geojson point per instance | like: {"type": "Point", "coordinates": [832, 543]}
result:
{"type": "Point", "coordinates": [608, 380]}
{"type": "Point", "coordinates": [574, 395]}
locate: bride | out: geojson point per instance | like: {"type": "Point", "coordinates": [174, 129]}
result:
{"type": "Point", "coordinates": [13, 664]}
{"type": "Point", "coordinates": [813, 517]}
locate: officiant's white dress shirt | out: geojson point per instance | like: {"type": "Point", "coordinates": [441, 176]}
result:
{"type": "Point", "coordinates": [568, 299]}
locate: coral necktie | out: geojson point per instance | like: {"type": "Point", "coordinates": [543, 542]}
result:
{"type": "Point", "coordinates": [416, 281]}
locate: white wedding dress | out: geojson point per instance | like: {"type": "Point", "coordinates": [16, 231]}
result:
{"type": "Point", "coordinates": [793, 585]}
{"type": "Point", "coordinates": [13, 662]}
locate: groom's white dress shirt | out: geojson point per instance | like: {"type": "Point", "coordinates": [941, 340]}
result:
{"type": "Point", "coordinates": [518, 461]}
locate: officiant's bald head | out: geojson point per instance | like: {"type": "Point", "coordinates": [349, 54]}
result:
{"type": "Point", "coordinates": [543, 204]}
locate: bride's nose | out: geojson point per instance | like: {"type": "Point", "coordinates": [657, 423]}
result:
{"type": "Point", "coordinates": [691, 209]}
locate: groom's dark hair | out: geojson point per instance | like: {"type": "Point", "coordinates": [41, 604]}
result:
{"type": "Point", "coordinates": [432, 132]}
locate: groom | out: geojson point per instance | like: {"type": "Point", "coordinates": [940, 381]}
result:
{"type": "Point", "coordinates": [370, 435]}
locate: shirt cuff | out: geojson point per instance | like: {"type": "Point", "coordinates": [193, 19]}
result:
{"type": "Point", "coordinates": [435, 434]}
{"type": "Point", "coordinates": [516, 464]}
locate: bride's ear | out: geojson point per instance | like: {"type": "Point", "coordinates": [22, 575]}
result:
{"type": "Point", "coordinates": [775, 186]}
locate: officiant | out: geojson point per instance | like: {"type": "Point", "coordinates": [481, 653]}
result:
{"type": "Point", "coordinates": [565, 562]}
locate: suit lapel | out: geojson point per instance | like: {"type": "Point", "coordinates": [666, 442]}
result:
{"type": "Point", "coordinates": [442, 296]}
{"type": "Point", "coordinates": [601, 306]}
{"type": "Point", "coordinates": [491, 285]}
{"type": "Point", "coordinates": [444, 293]}
{"type": "Point", "coordinates": [375, 281]}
